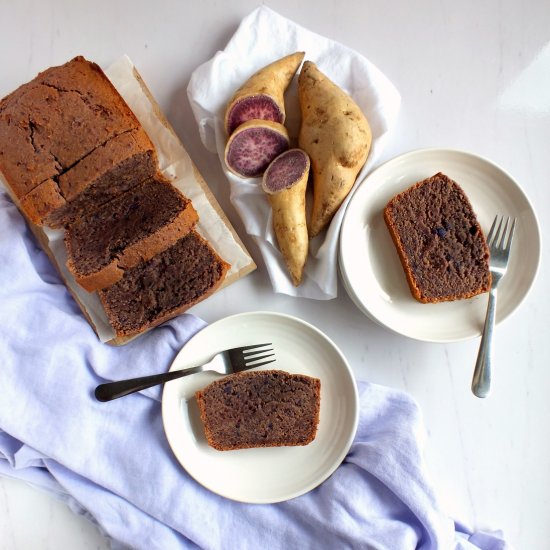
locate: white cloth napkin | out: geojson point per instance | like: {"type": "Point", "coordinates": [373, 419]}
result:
{"type": "Point", "coordinates": [112, 462]}
{"type": "Point", "coordinates": [263, 37]}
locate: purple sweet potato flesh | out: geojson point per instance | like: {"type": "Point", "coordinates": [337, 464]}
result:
{"type": "Point", "coordinates": [285, 170]}
{"type": "Point", "coordinates": [258, 106]}
{"type": "Point", "coordinates": [252, 149]}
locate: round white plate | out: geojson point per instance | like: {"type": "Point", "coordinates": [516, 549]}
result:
{"type": "Point", "coordinates": [370, 267]}
{"type": "Point", "coordinates": [272, 474]}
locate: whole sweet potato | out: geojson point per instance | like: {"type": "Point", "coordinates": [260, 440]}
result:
{"type": "Point", "coordinates": [336, 135]}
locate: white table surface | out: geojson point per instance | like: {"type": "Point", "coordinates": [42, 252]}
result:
{"type": "Point", "coordinates": [472, 75]}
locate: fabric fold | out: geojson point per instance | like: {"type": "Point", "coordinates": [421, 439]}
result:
{"type": "Point", "coordinates": [112, 462]}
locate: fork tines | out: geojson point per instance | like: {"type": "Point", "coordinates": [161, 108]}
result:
{"type": "Point", "coordinates": [499, 236]}
{"type": "Point", "coordinates": [251, 357]}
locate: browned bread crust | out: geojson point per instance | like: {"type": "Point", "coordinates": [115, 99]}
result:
{"type": "Point", "coordinates": [52, 124]}
{"type": "Point", "coordinates": [269, 408]}
{"type": "Point", "coordinates": [439, 241]}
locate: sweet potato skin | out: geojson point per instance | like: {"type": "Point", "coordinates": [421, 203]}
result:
{"type": "Point", "coordinates": [271, 80]}
{"type": "Point", "coordinates": [289, 223]}
{"type": "Point", "coordinates": [336, 135]}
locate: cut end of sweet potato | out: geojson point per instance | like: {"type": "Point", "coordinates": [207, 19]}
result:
{"type": "Point", "coordinates": [253, 145]}
{"type": "Point", "coordinates": [285, 171]}
{"type": "Point", "coordinates": [256, 106]}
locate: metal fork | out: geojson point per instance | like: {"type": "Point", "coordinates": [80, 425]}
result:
{"type": "Point", "coordinates": [500, 242]}
{"type": "Point", "coordinates": [225, 362]}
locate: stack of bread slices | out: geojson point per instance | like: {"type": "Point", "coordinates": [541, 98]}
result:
{"type": "Point", "coordinates": [75, 157]}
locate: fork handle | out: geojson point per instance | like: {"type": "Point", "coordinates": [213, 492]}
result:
{"type": "Point", "coordinates": [114, 390]}
{"type": "Point", "coordinates": [481, 381]}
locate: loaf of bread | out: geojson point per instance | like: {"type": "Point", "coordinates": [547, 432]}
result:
{"type": "Point", "coordinates": [75, 157]}
{"type": "Point", "coordinates": [439, 241]}
{"type": "Point", "coordinates": [129, 229]}
{"type": "Point", "coordinates": [269, 408]}
{"type": "Point", "coordinates": [68, 141]}
{"type": "Point", "coordinates": [168, 284]}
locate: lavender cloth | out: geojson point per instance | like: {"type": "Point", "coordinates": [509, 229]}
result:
{"type": "Point", "coordinates": [112, 462]}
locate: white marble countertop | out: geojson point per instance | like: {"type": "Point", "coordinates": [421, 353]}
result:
{"type": "Point", "coordinates": [473, 76]}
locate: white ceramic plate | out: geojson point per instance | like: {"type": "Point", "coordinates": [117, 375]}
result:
{"type": "Point", "coordinates": [272, 474]}
{"type": "Point", "coordinates": [370, 267]}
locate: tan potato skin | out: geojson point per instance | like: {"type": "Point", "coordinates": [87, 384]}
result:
{"type": "Point", "coordinates": [289, 222]}
{"type": "Point", "coordinates": [337, 137]}
{"type": "Point", "coordinates": [271, 80]}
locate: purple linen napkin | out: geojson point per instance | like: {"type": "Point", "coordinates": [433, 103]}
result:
{"type": "Point", "coordinates": [112, 461]}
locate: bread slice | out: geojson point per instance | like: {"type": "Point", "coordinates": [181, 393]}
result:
{"type": "Point", "coordinates": [269, 408]}
{"type": "Point", "coordinates": [439, 241]}
{"type": "Point", "coordinates": [112, 168]}
{"type": "Point", "coordinates": [166, 285]}
{"type": "Point", "coordinates": [61, 123]}
{"type": "Point", "coordinates": [131, 228]}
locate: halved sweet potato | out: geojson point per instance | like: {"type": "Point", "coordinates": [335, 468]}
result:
{"type": "Point", "coordinates": [253, 146]}
{"type": "Point", "coordinates": [262, 95]}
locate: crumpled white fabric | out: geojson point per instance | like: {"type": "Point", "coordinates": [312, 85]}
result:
{"type": "Point", "coordinates": [262, 37]}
